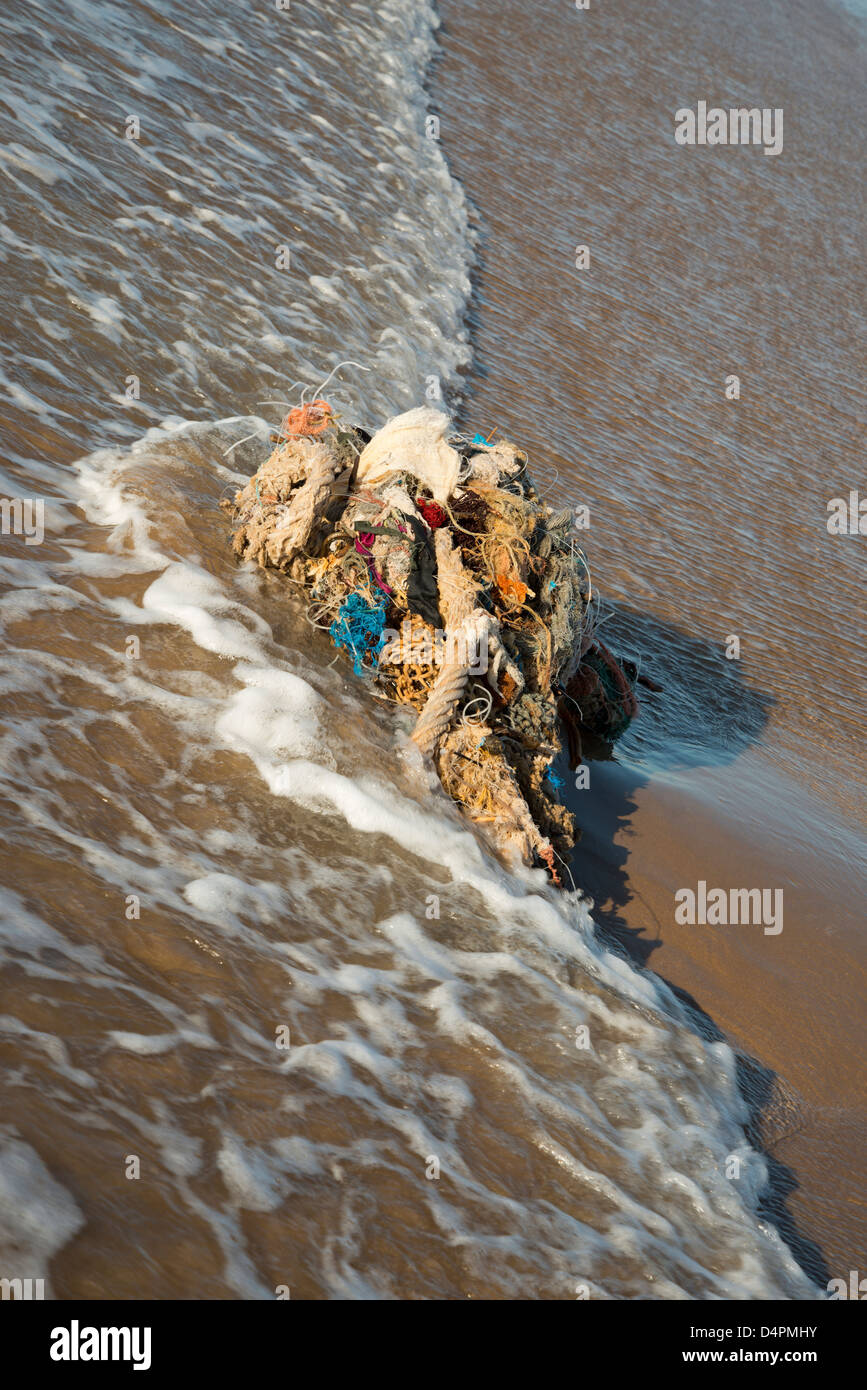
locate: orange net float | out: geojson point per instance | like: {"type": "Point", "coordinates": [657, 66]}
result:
{"type": "Point", "coordinates": [309, 419]}
{"type": "Point", "coordinates": [511, 588]}
{"type": "Point", "coordinates": [548, 856]}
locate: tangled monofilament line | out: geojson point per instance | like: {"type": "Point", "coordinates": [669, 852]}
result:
{"type": "Point", "coordinates": [358, 629]}
{"type": "Point", "coordinates": [493, 563]}
{"type": "Point", "coordinates": [485, 700]}
{"type": "Point", "coordinates": [297, 411]}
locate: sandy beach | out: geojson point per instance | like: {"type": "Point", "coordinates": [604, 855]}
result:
{"type": "Point", "coordinates": [240, 1054]}
{"type": "Point", "coordinates": [752, 776]}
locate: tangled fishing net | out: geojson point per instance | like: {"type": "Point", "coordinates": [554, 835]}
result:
{"type": "Point", "coordinates": [437, 568]}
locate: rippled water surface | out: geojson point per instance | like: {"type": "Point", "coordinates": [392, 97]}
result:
{"type": "Point", "coordinates": [245, 939]}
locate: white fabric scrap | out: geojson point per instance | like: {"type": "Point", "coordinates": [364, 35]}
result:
{"type": "Point", "coordinates": [413, 443]}
{"type": "Point", "coordinates": [498, 460]}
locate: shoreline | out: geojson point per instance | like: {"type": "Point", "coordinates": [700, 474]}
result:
{"type": "Point", "coordinates": [642, 839]}
{"type": "Point", "coordinates": [728, 813]}
{"type": "Point", "coordinates": [275, 1018]}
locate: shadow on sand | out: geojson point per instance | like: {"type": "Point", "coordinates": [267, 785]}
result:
{"type": "Point", "coordinates": [705, 717]}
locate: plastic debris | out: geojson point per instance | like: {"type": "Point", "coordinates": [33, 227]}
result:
{"type": "Point", "coordinates": [436, 566]}
{"type": "Point", "coordinates": [358, 630]}
{"type": "Point", "coordinates": [413, 443]}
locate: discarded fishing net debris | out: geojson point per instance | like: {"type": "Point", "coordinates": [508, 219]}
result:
{"type": "Point", "coordinates": [358, 630]}
{"type": "Point", "coordinates": [451, 585]}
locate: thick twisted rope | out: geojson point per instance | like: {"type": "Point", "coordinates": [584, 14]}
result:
{"type": "Point", "coordinates": [468, 628]}
{"type": "Point", "coordinates": [305, 509]}
{"type": "Point", "coordinates": [457, 596]}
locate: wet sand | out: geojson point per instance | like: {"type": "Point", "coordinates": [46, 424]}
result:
{"type": "Point", "coordinates": [792, 1004]}
{"type": "Point", "coordinates": [706, 523]}
{"type": "Point", "coordinates": [216, 836]}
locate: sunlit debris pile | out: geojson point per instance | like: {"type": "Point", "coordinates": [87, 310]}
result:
{"type": "Point", "coordinates": [450, 584]}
